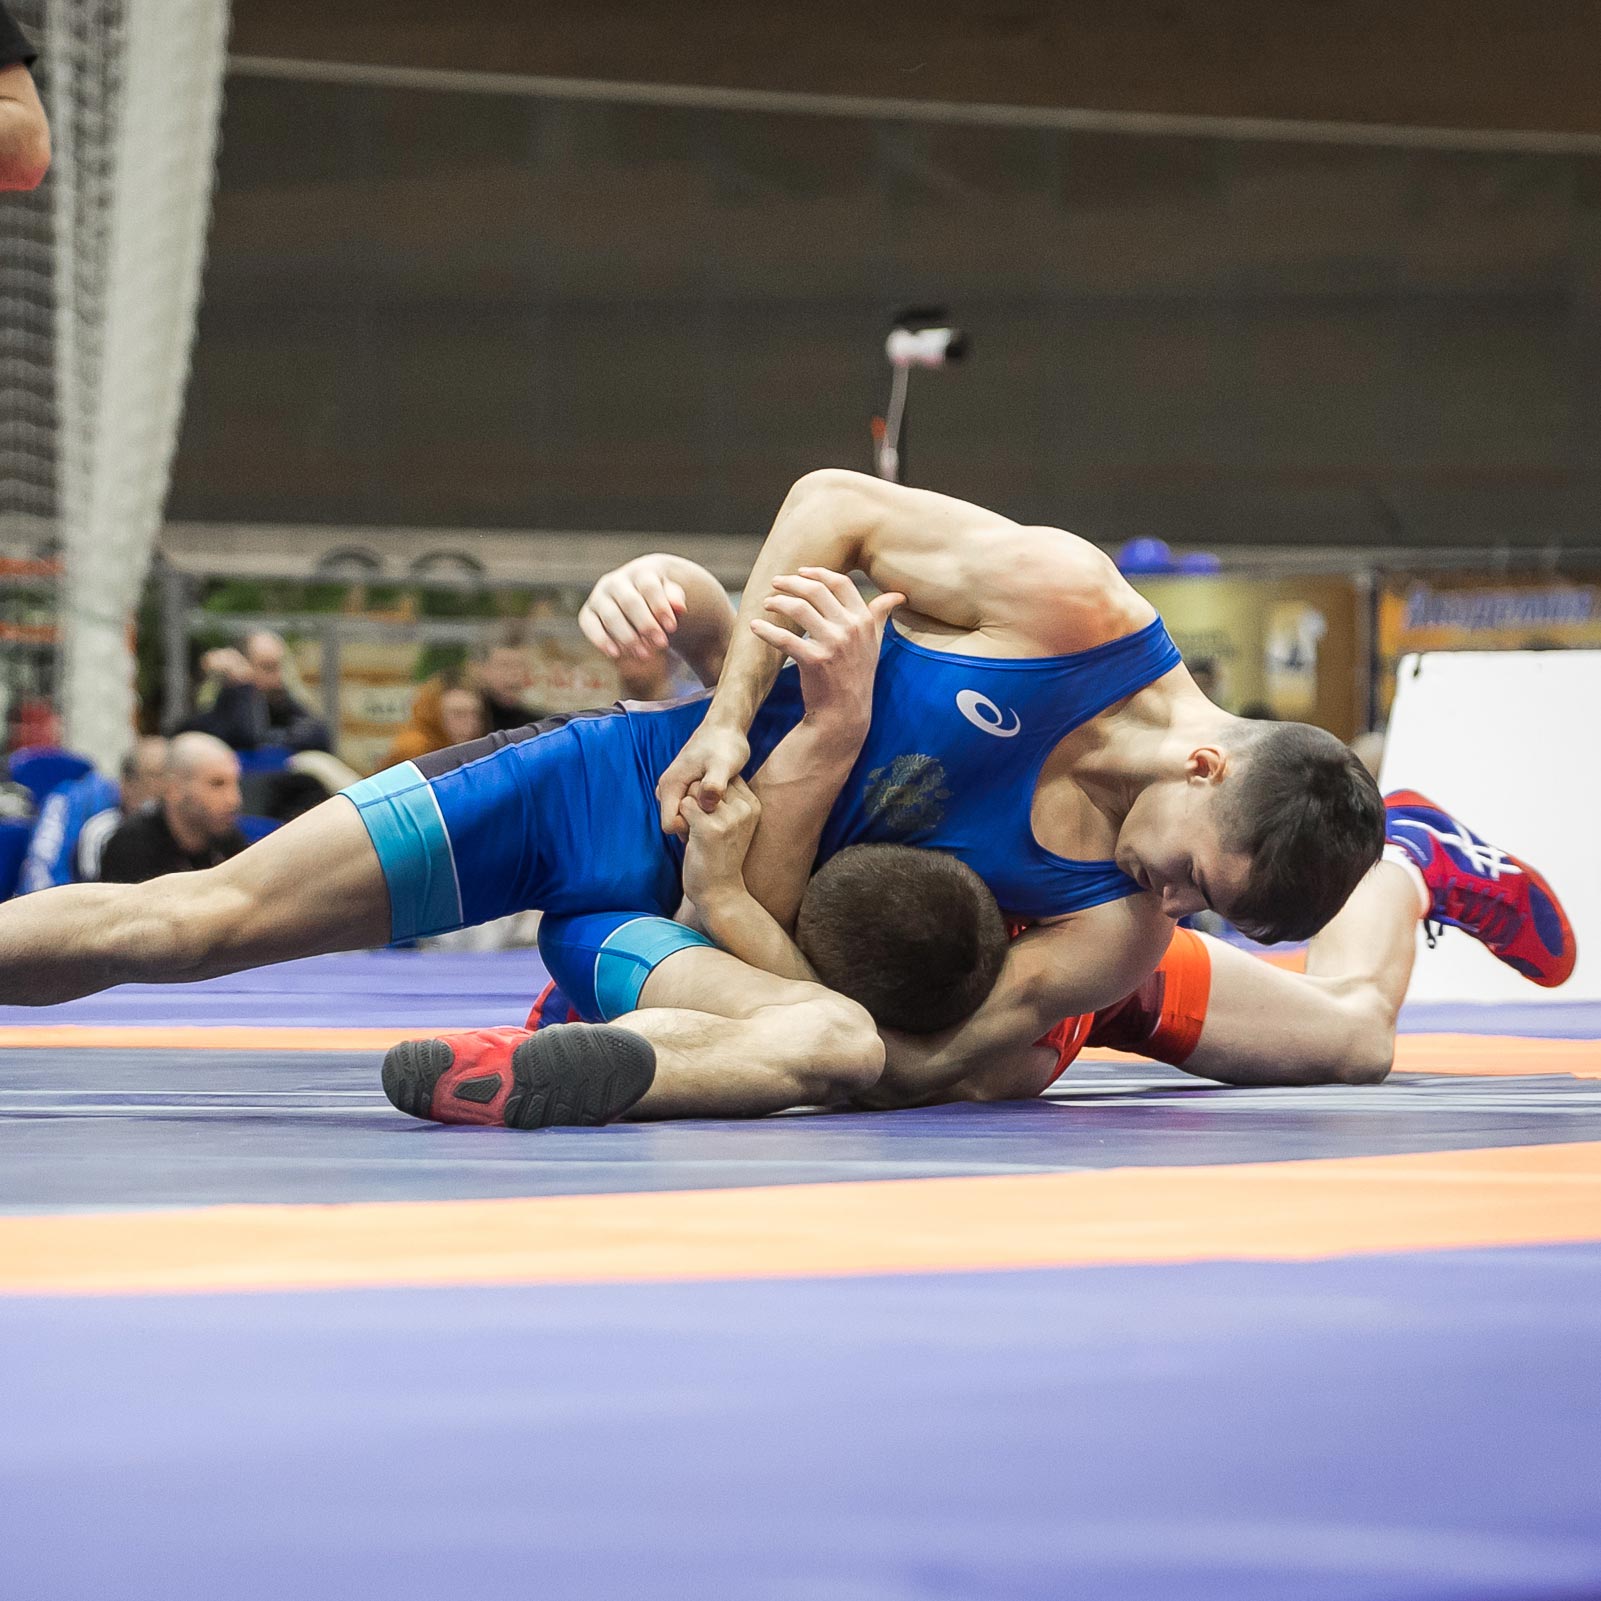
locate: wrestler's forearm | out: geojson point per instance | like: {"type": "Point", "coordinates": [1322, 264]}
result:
{"type": "Point", "coordinates": [920, 1068]}
{"type": "Point", "coordinates": [707, 624]}
{"type": "Point", "coordinates": [1051, 972]}
{"type": "Point", "coordinates": [796, 785]}
{"type": "Point", "coordinates": [1013, 1073]}
{"type": "Point", "coordinates": [821, 524]}
{"type": "Point", "coordinates": [744, 929]}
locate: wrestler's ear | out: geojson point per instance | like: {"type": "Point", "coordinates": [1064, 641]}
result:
{"type": "Point", "coordinates": [1206, 765]}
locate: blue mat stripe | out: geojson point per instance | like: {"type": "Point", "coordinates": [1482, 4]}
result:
{"type": "Point", "coordinates": [425, 988]}
{"type": "Point", "coordinates": [1418, 1426]}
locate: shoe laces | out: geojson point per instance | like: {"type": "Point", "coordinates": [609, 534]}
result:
{"type": "Point", "coordinates": [1493, 918]}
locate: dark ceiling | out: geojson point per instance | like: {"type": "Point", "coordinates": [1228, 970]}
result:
{"type": "Point", "coordinates": [1501, 64]}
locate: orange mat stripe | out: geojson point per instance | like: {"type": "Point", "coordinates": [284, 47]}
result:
{"type": "Point", "coordinates": [1497, 1055]}
{"type": "Point", "coordinates": [1263, 1211]}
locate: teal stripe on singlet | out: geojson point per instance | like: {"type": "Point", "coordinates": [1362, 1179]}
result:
{"type": "Point", "coordinates": [403, 821]}
{"type": "Point", "coordinates": [630, 954]}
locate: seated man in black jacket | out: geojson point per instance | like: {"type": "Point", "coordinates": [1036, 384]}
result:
{"type": "Point", "coordinates": [194, 825]}
{"type": "Point", "coordinates": [250, 701]}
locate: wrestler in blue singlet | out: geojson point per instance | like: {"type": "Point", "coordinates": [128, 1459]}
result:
{"type": "Point", "coordinates": [563, 816]}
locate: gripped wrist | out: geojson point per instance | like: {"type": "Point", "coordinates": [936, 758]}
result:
{"type": "Point", "coordinates": [722, 900]}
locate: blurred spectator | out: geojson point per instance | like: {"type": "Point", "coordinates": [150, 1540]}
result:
{"type": "Point", "coordinates": [77, 818]}
{"type": "Point", "coordinates": [287, 795]}
{"type": "Point", "coordinates": [446, 710]}
{"type": "Point", "coordinates": [144, 775]}
{"type": "Point", "coordinates": [503, 674]}
{"type": "Point", "coordinates": [463, 714]}
{"type": "Point", "coordinates": [651, 679]}
{"type": "Point", "coordinates": [24, 132]}
{"type": "Point", "coordinates": [1259, 712]}
{"type": "Point", "coordinates": [309, 779]}
{"type": "Point", "coordinates": [249, 698]}
{"type": "Point", "coordinates": [661, 676]}
{"type": "Point", "coordinates": [333, 774]}
{"type": "Point", "coordinates": [196, 824]}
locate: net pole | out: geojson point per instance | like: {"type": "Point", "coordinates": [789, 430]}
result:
{"type": "Point", "coordinates": [136, 101]}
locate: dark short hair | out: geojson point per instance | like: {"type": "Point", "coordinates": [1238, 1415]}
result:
{"type": "Point", "coordinates": [1310, 817]}
{"type": "Point", "coordinates": [914, 935]}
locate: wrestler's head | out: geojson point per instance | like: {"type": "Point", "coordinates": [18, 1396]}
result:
{"type": "Point", "coordinates": [1272, 825]}
{"type": "Point", "coordinates": [913, 935]}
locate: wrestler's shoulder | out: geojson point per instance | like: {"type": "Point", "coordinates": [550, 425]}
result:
{"type": "Point", "coordinates": [1064, 592]}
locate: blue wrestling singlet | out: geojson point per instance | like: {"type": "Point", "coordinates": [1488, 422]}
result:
{"type": "Point", "coordinates": [562, 815]}
{"type": "Point", "coordinates": [559, 816]}
{"type": "Point", "coordinates": [954, 756]}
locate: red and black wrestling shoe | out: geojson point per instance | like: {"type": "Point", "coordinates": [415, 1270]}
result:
{"type": "Point", "coordinates": [574, 1074]}
{"type": "Point", "coordinates": [1477, 887]}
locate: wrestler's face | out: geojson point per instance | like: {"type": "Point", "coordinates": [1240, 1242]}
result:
{"type": "Point", "coordinates": [1173, 841]}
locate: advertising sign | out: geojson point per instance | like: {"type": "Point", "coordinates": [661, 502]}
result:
{"type": "Point", "coordinates": [1479, 614]}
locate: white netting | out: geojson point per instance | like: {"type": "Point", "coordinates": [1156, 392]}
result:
{"type": "Point", "coordinates": [27, 400]}
{"type": "Point", "coordinates": [99, 283]}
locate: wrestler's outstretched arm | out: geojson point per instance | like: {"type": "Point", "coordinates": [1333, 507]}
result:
{"type": "Point", "coordinates": [1041, 590]}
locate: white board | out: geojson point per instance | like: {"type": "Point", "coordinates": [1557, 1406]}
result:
{"type": "Point", "coordinates": [1509, 742]}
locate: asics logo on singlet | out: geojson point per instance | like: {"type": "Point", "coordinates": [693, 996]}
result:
{"type": "Point", "coordinates": [983, 713]}
{"type": "Point", "coordinates": [1488, 861]}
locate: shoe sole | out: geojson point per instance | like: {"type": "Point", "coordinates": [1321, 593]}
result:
{"type": "Point", "coordinates": [411, 1070]}
{"type": "Point", "coordinates": [578, 1075]}
{"type": "Point", "coordinates": [1569, 944]}
{"type": "Point", "coordinates": [572, 1075]}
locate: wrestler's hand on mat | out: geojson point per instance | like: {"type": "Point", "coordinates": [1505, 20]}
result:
{"type": "Point", "coordinates": [837, 648]}
{"type": "Point", "coordinates": [634, 609]}
{"type": "Point", "coordinates": [719, 842]}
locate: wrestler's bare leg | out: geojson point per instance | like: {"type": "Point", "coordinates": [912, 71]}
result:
{"type": "Point", "coordinates": [732, 1041]}
{"type": "Point", "coordinates": [313, 886]}
{"type": "Point", "coordinates": [1335, 1023]}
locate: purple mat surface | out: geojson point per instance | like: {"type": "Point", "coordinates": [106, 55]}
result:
{"type": "Point", "coordinates": [1408, 1428]}
{"type": "Point", "coordinates": [115, 1128]}
{"type": "Point", "coordinates": [360, 989]}
{"type": "Point", "coordinates": [443, 989]}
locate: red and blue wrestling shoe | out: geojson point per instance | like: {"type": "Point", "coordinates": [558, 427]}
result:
{"type": "Point", "coordinates": [1475, 886]}
{"type": "Point", "coordinates": [571, 1074]}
